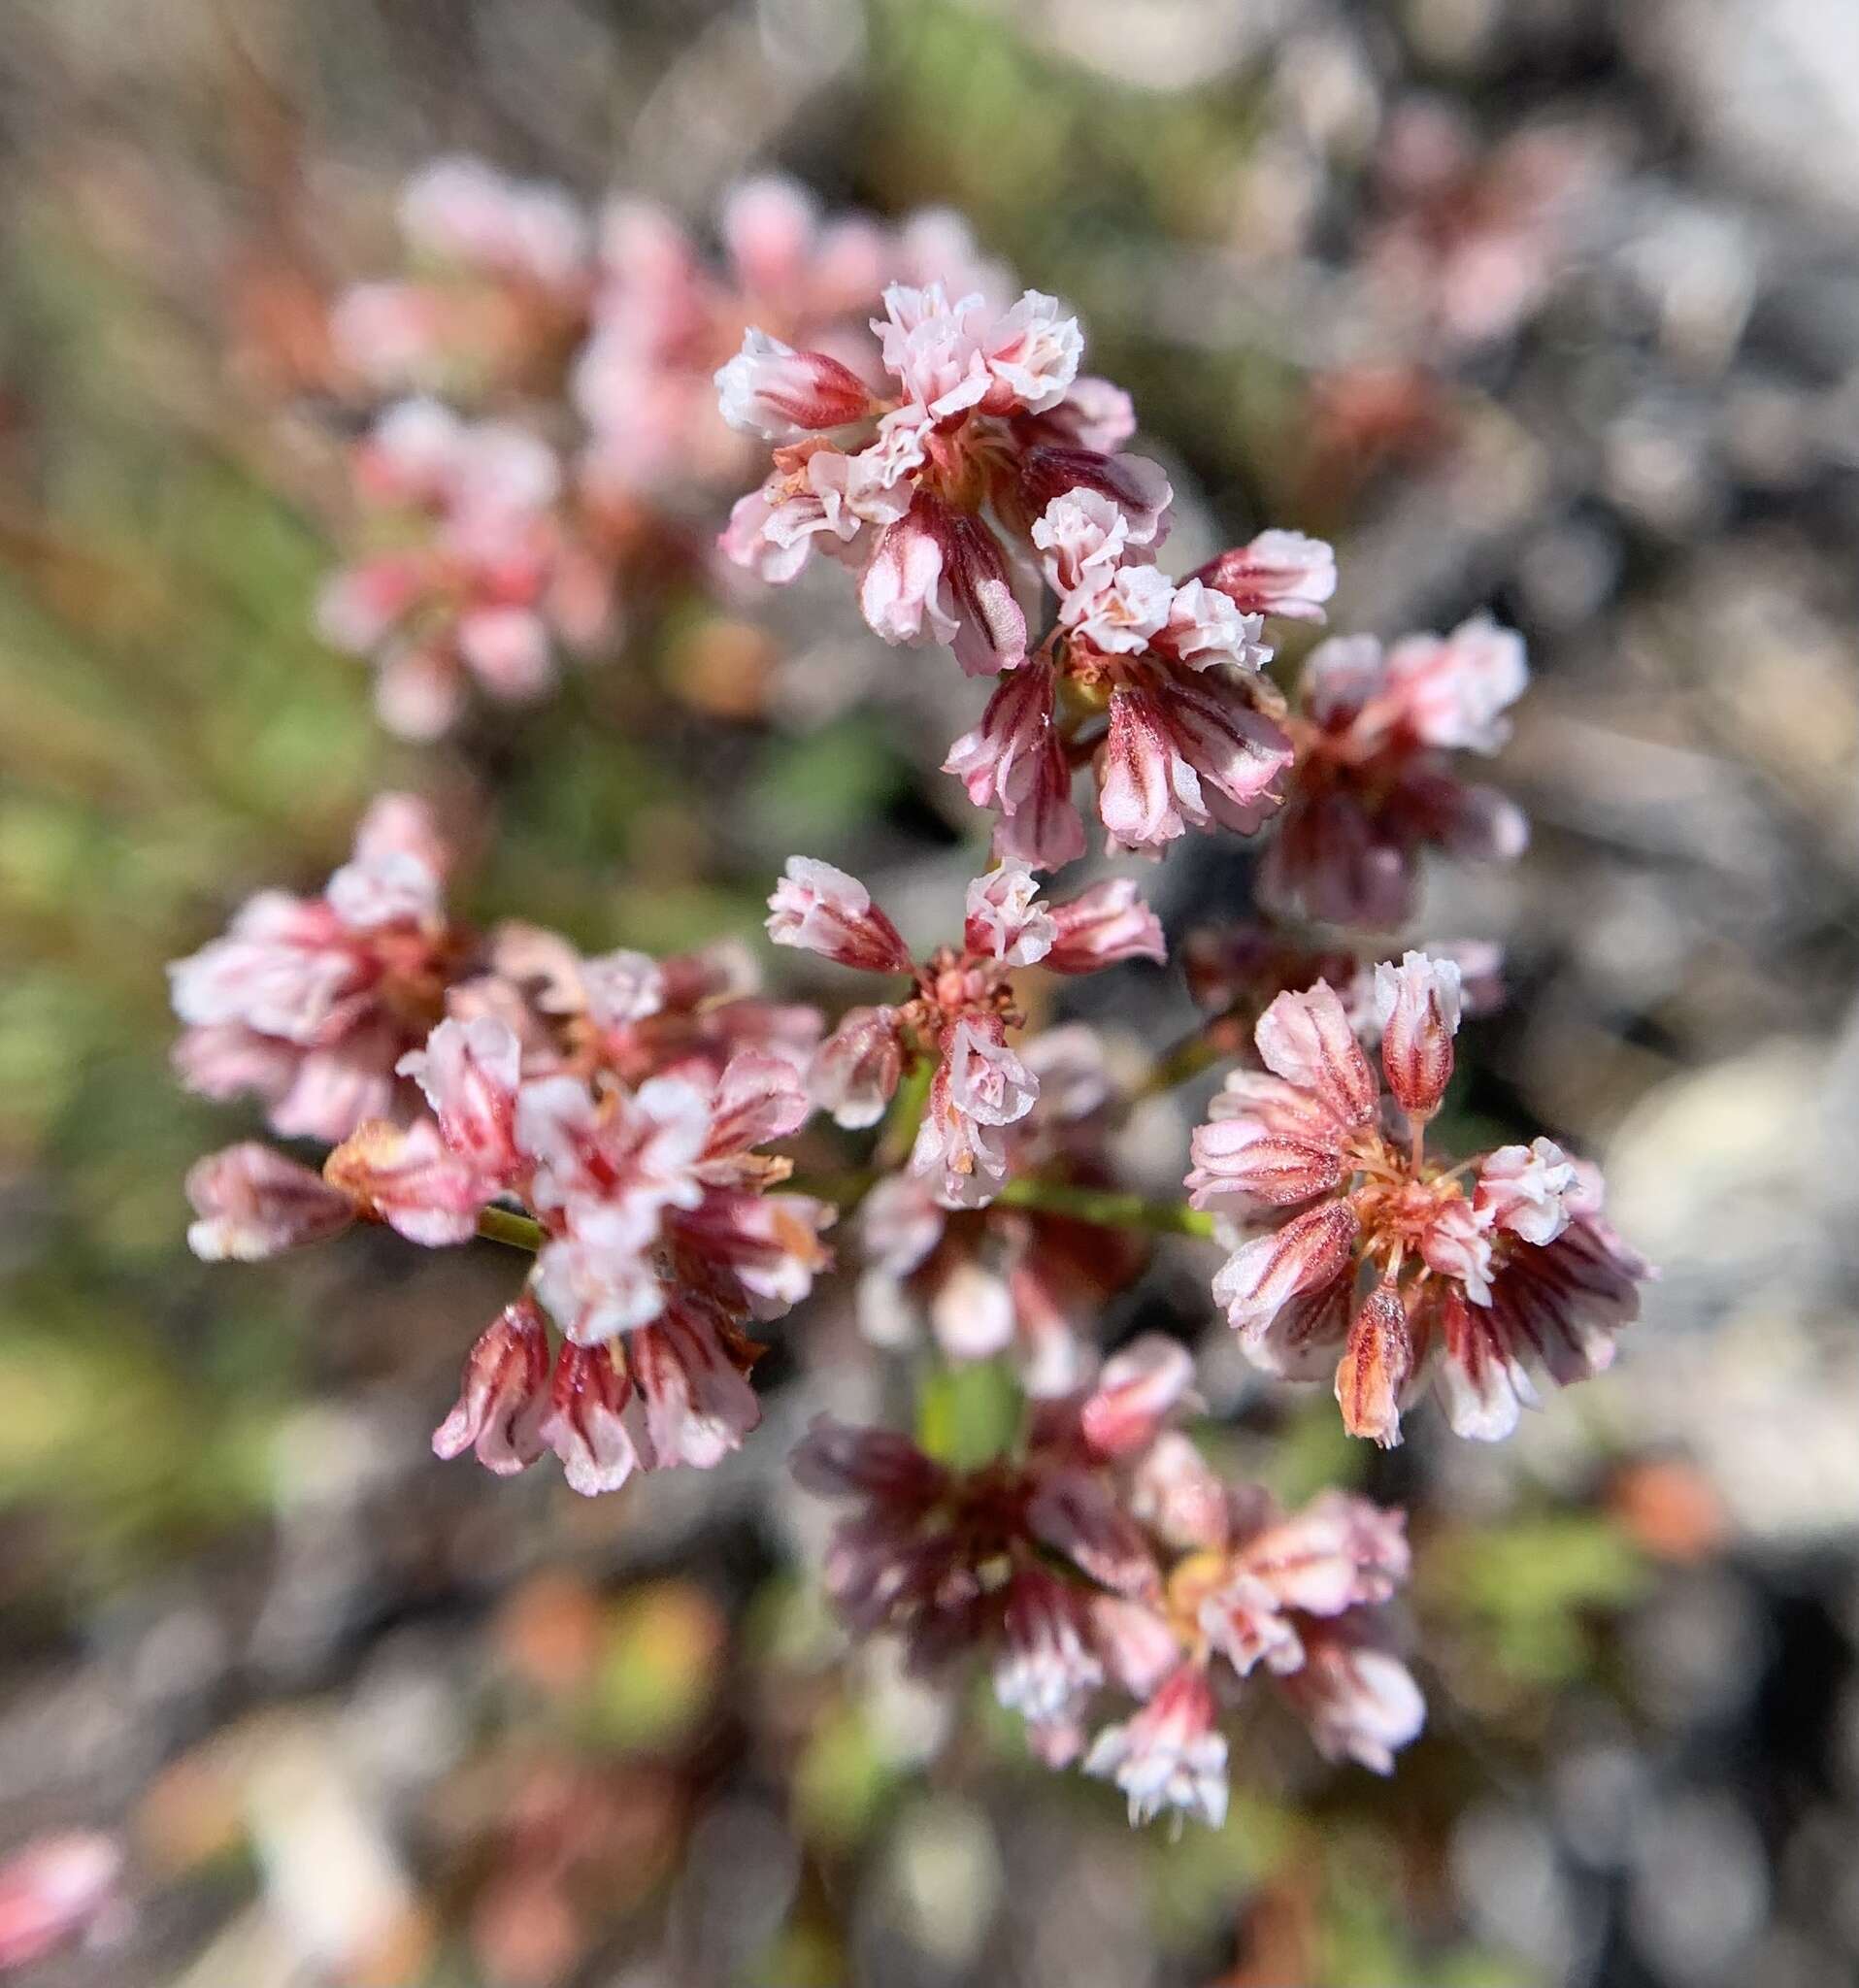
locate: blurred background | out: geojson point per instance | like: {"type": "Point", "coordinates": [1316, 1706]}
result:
{"type": "Point", "coordinates": [1545, 306]}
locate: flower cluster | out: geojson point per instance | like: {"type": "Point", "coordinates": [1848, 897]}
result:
{"type": "Point", "coordinates": [1374, 784]}
{"type": "Point", "coordinates": [615, 1116]}
{"type": "Point", "coordinates": [617, 1103]}
{"type": "Point", "coordinates": [1102, 1555]}
{"type": "Point", "coordinates": [311, 1003]}
{"type": "Point", "coordinates": [495, 545]}
{"type": "Point", "coordinates": [1395, 1271]}
{"type": "Point", "coordinates": [486, 570]}
{"type": "Point", "coordinates": [960, 1010]}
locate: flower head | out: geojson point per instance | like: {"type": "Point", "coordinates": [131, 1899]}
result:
{"type": "Point", "coordinates": [1483, 1288]}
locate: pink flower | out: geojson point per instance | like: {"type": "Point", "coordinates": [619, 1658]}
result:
{"type": "Point", "coordinates": [461, 210]}
{"type": "Point", "coordinates": [504, 1396]}
{"type": "Point", "coordinates": [1204, 628]}
{"type": "Point", "coordinates": [1046, 1665]}
{"type": "Point", "coordinates": [253, 1203]}
{"type": "Point", "coordinates": [1461, 1290]}
{"type": "Point", "coordinates": [410, 1180]}
{"type": "Point", "coordinates": [1305, 1038]}
{"type": "Point", "coordinates": [1168, 1755]}
{"type": "Point", "coordinates": [977, 445]}
{"type": "Point", "coordinates": [311, 1002]}
{"type": "Point", "coordinates": [1416, 1007]}
{"type": "Point", "coordinates": [822, 910]}
{"type": "Point", "coordinates": [1185, 750]}
{"type": "Point", "coordinates": [1084, 537]}
{"type": "Point", "coordinates": [1138, 487]}
{"type": "Point", "coordinates": [1008, 920]}
{"type": "Point", "coordinates": [690, 1369]}
{"type": "Point", "coordinates": [1454, 691]}
{"type": "Point", "coordinates": [978, 1087]}
{"type": "Point", "coordinates": [639, 1151]}
{"type": "Point", "coordinates": [1032, 354]}
{"type": "Point", "coordinates": [1553, 1313]}
{"type": "Point", "coordinates": [1135, 1393]}
{"type": "Point", "coordinates": [599, 1280]}
{"type": "Point", "coordinates": [937, 575]}
{"type": "Point", "coordinates": [1306, 1256]}
{"type": "Point", "coordinates": [1360, 1702]}
{"type": "Point", "coordinates": [1527, 1189]}
{"type": "Point", "coordinates": [486, 570]}
{"type": "Point", "coordinates": [594, 1422]}
{"type": "Point", "coordinates": [469, 1072]}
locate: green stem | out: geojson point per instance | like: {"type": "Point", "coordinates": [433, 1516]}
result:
{"type": "Point", "coordinates": [515, 1232]}
{"type": "Point", "coordinates": [1183, 1060]}
{"type": "Point", "coordinates": [1104, 1207]}
{"type": "Point", "coordinates": [904, 1115]}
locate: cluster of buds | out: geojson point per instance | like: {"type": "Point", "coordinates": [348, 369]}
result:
{"type": "Point", "coordinates": [615, 1103]}
{"type": "Point", "coordinates": [496, 546]}
{"type": "Point", "coordinates": [1102, 1555]}
{"type": "Point", "coordinates": [989, 463]}
{"type": "Point", "coordinates": [1395, 1270]}
{"type": "Point", "coordinates": [1374, 730]}
{"type": "Point", "coordinates": [311, 1003]}
{"type": "Point", "coordinates": [486, 573]}
{"type": "Point", "coordinates": [960, 1011]}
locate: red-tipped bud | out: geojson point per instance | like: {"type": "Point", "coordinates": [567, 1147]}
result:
{"type": "Point", "coordinates": [822, 910]}
{"type": "Point", "coordinates": [1418, 1006]}
{"type": "Point", "coordinates": [1102, 925]}
{"type": "Point", "coordinates": [1279, 573]}
{"type": "Point", "coordinates": [771, 390]}
{"type": "Point", "coordinates": [1306, 1039]}
{"type": "Point", "coordinates": [254, 1203]}
{"type": "Point", "coordinates": [504, 1395]}
{"type": "Point", "coordinates": [1376, 1366]}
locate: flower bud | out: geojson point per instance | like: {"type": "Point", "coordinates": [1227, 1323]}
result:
{"type": "Point", "coordinates": [1102, 925]}
{"type": "Point", "coordinates": [1279, 573]}
{"type": "Point", "coordinates": [1418, 1006]}
{"type": "Point", "coordinates": [822, 910]}
{"type": "Point", "coordinates": [771, 390]}
{"type": "Point", "coordinates": [855, 1071]}
{"type": "Point", "coordinates": [1135, 1394]}
{"type": "Point", "coordinates": [255, 1202]}
{"type": "Point", "coordinates": [504, 1395]}
{"type": "Point", "coordinates": [1376, 1366]}
{"type": "Point", "coordinates": [1007, 920]}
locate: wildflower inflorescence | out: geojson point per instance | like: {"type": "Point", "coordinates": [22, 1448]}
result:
{"type": "Point", "coordinates": [624, 1118]}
